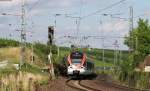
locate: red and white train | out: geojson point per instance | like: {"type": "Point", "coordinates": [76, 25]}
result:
{"type": "Point", "coordinates": [79, 64]}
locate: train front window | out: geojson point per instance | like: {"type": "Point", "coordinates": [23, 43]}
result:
{"type": "Point", "coordinates": [76, 61]}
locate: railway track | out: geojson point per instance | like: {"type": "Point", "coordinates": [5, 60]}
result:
{"type": "Point", "coordinates": [118, 86]}
{"type": "Point", "coordinates": [76, 84]}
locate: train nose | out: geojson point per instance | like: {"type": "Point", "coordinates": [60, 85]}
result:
{"type": "Point", "coordinates": [76, 72]}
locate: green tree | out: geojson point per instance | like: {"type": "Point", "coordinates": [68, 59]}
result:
{"type": "Point", "coordinates": [139, 41]}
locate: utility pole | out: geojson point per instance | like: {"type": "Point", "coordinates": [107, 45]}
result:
{"type": "Point", "coordinates": [78, 22]}
{"type": "Point", "coordinates": [115, 52]}
{"type": "Point", "coordinates": [55, 23]}
{"type": "Point", "coordinates": [132, 39]}
{"type": "Point", "coordinates": [120, 56]}
{"type": "Point", "coordinates": [131, 28]}
{"type": "Point", "coordinates": [58, 50]}
{"type": "Point", "coordinates": [136, 45]}
{"type": "Point", "coordinates": [23, 34]}
{"type": "Point", "coordinates": [103, 50]}
{"type": "Point", "coordinates": [32, 48]}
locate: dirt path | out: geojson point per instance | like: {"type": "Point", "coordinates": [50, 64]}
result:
{"type": "Point", "coordinates": [56, 85]}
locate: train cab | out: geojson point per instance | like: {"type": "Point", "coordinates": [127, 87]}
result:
{"type": "Point", "coordinates": [76, 63]}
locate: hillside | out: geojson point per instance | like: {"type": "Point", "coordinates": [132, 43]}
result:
{"type": "Point", "coordinates": [12, 54]}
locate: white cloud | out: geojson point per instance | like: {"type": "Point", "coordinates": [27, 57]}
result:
{"type": "Point", "coordinates": [107, 27]}
{"type": "Point", "coordinates": [35, 12]}
{"type": "Point", "coordinates": [2, 25]}
{"type": "Point", "coordinates": [119, 27]}
{"type": "Point", "coordinates": [66, 3]}
{"type": "Point", "coordinates": [10, 3]}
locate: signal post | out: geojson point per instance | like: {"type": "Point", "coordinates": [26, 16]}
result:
{"type": "Point", "coordinates": [50, 43]}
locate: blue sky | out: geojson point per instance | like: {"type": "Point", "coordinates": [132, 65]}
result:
{"type": "Point", "coordinates": [42, 15]}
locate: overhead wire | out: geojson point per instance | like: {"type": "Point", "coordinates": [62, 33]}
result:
{"type": "Point", "coordinates": [79, 22]}
{"type": "Point", "coordinates": [100, 10]}
{"type": "Point", "coordinates": [138, 16]}
{"type": "Point", "coordinates": [33, 6]}
{"type": "Point", "coordinates": [30, 9]}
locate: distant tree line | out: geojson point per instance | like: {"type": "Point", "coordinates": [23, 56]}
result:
{"type": "Point", "coordinates": [8, 43]}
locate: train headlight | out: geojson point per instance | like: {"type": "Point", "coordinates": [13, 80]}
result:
{"type": "Point", "coordinates": [70, 67]}
{"type": "Point", "coordinates": [82, 67]}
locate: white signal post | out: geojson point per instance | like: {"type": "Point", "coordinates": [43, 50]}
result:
{"type": "Point", "coordinates": [51, 68]}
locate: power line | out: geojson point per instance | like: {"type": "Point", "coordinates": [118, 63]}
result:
{"type": "Point", "coordinates": [142, 15]}
{"type": "Point", "coordinates": [100, 10]}
{"type": "Point", "coordinates": [33, 6]}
